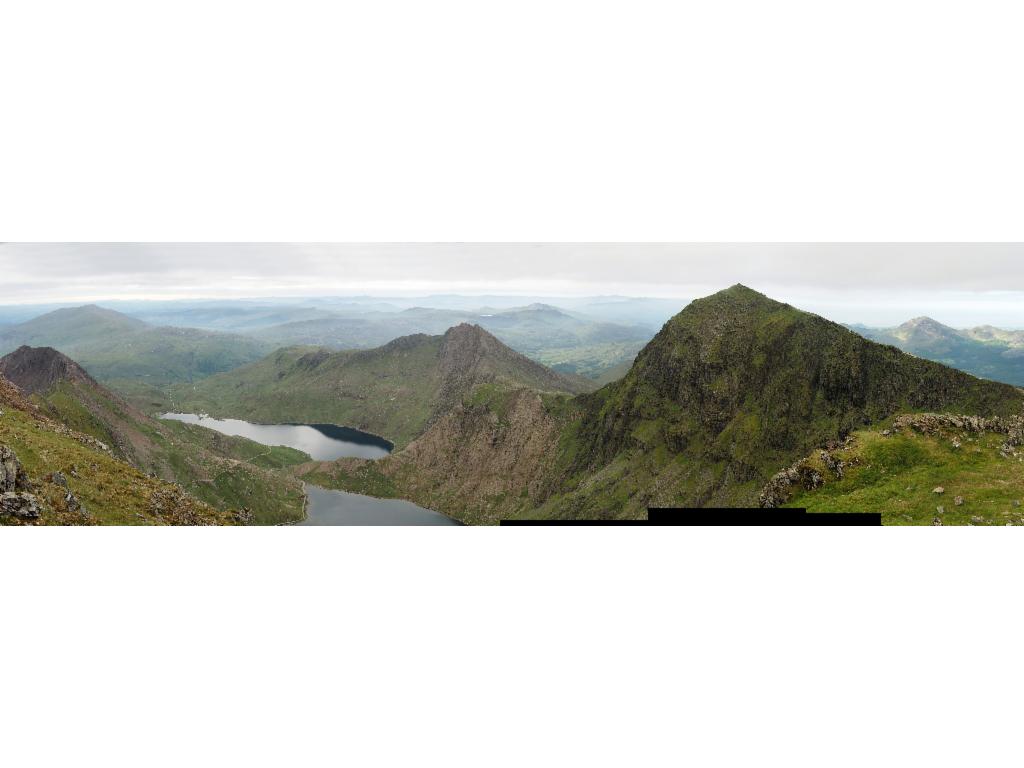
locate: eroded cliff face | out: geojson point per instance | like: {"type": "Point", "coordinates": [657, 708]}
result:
{"type": "Point", "coordinates": [487, 458]}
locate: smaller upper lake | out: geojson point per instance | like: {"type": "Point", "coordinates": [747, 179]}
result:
{"type": "Point", "coordinates": [324, 442]}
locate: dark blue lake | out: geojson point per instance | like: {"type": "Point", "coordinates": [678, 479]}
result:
{"type": "Point", "coordinates": [324, 442]}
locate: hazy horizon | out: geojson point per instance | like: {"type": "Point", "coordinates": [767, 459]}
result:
{"type": "Point", "coordinates": [959, 285]}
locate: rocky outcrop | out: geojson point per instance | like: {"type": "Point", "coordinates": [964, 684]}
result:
{"type": "Point", "coordinates": [805, 474]}
{"type": "Point", "coordinates": [12, 474]}
{"type": "Point", "coordinates": [17, 505]}
{"type": "Point", "coordinates": [943, 423]}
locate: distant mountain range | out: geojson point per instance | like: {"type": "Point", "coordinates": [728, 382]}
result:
{"type": "Point", "coordinates": [562, 340]}
{"type": "Point", "coordinates": [984, 351]}
{"type": "Point", "coordinates": [113, 346]}
{"type": "Point", "coordinates": [131, 352]}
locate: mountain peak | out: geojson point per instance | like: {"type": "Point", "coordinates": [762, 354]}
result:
{"type": "Point", "coordinates": [925, 321]}
{"type": "Point", "coordinates": [739, 293]}
{"type": "Point", "coordinates": [924, 329]}
{"type": "Point", "coordinates": [468, 333]}
{"type": "Point", "coordinates": [39, 369]}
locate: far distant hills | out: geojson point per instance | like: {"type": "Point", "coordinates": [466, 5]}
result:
{"type": "Point", "coordinates": [562, 340]}
{"type": "Point", "coordinates": [113, 346]}
{"type": "Point", "coordinates": [984, 351]}
{"type": "Point", "coordinates": [205, 338]}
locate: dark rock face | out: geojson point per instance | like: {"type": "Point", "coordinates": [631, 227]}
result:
{"type": "Point", "coordinates": [38, 369]}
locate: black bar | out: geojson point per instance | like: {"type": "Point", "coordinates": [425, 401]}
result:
{"type": "Point", "coordinates": [728, 517]}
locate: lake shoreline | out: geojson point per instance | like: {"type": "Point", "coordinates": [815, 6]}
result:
{"type": "Point", "coordinates": [325, 443]}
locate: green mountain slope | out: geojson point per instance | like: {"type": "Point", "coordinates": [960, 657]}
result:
{"type": "Point", "coordinates": [733, 388]}
{"type": "Point", "coordinates": [394, 391]}
{"type": "Point", "coordinates": [985, 351]}
{"type": "Point", "coordinates": [226, 472]}
{"type": "Point", "coordinates": [113, 346]}
{"type": "Point", "coordinates": [53, 475]}
{"type": "Point", "coordinates": [736, 386]}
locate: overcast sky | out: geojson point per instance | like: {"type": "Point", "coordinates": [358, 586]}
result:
{"type": "Point", "coordinates": [872, 283]}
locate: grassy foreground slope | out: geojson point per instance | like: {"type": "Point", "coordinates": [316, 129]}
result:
{"type": "Point", "coordinates": [979, 473]}
{"type": "Point", "coordinates": [93, 486]}
{"type": "Point", "coordinates": [394, 391]}
{"type": "Point", "coordinates": [226, 472]}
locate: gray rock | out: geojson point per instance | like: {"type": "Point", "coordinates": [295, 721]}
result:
{"type": "Point", "coordinates": [940, 510]}
{"type": "Point", "coordinates": [57, 478]}
{"type": "Point", "coordinates": [24, 506]}
{"type": "Point", "coordinates": [959, 501]}
{"type": "Point", "coordinates": [939, 490]}
{"type": "Point", "coordinates": [12, 474]}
